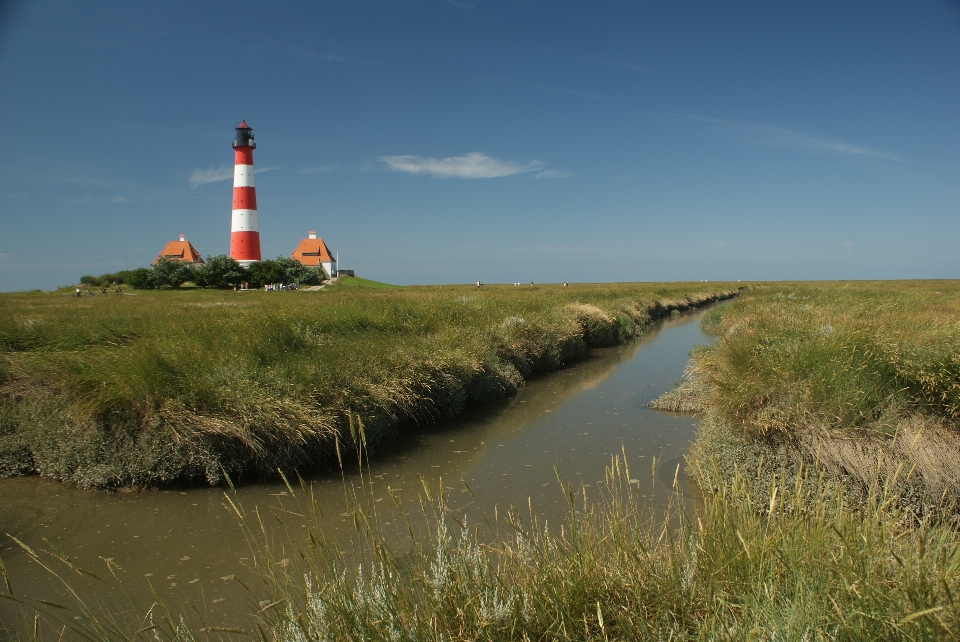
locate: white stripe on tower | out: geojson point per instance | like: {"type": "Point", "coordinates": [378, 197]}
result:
{"type": "Point", "coordinates": [244, 221]}
{"type": "Point", "coordinates": [244, 235]}
{"type": "Point", "coordinates": [243, 176]}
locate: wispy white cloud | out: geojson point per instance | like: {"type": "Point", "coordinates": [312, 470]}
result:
{"type": "Point", "coordinates": [554, 89]}
{"type": "Point", "coordinates": [622, 64]}
{"type": "Point", "coordinates": [627, 65]}
{"type": "Point", "coordinates": [58, 265]}
{"type": "Point", "coordinates": [203, 176]}
{"type": "Point", "coordinates": [782, 138]}
{"type": "Point", "coordinates": [90, 199]}
{"type": "Point", "coordinates": [87, 199]}
{"type": "Point", "coordinates": [573, 92]}
{"type": "Point", "coordinates": [321, 169]}
{"type": "Point", "coordinates": [466, 7]}
{"type": "Point", "coordinates": [554, 173]}
{"type": "Point", "coordinates": [473, 165]}
{"type": "Point", "coordinates": [309, 52]}
{"type": "Point", "coordinates": [88, 187]}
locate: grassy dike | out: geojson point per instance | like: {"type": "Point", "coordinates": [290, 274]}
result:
{"type": "Point", "coordinates": [153, 387]}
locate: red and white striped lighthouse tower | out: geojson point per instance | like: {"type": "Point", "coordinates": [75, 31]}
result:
{"type": "Point", "coordinates": [244, 237]}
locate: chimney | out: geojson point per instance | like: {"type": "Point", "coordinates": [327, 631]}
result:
{"type": "Point", "coordinates": [311, 234]}
{"type": "Point", "coordinates": [182, 238]}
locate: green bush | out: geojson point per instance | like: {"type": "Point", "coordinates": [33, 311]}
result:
{"type": "Point", "coordinates": [141, 279]}
{"type": "Point", "coordinates": [171, 272]}
{"type": "Point", "coordinates": [220, 272]}
{"type": "Point", "coordinates": [263, 272]}
{"type": "Point", "coordinates": [106, 280]}
{"type": "Point", "coordinates": [281, 270]}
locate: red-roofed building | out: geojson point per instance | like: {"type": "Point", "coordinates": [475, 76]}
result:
{"type": "Point", "coordinates": [313, 251]}
{"type": "Point", "coordinates": [181, 250]}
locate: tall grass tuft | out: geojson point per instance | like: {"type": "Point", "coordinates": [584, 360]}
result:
{"type": "Point", "coordinates": [744, 566]}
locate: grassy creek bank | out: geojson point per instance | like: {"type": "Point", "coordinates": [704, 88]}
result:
{"type": "Point", "coordinates": [856, 383]}
{"type": "Point", "coordinates": [770, 561]}
{"type": "Point", "coordinates": [156, 387]}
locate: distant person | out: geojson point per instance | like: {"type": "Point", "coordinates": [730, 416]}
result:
{"type": "Point", "coordinates": [564, 284]}
{"type": "Point", "coordinates": [478, 285]}
{"type": "Point", "coordinates": [78, 292]}
{"type": "Point", "coordinates": [103, 290]}
{"type": "Point", "coordinates": [531, 284]}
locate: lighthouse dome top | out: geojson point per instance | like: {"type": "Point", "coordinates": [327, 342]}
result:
{"type": "Point", "coordinates": [244, 136]}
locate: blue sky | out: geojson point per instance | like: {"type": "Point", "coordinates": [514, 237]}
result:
{"type": "Point", "coordinates": [445, 142]}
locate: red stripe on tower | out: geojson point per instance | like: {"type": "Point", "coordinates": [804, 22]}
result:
{"type": "Point", "coordinates": [244, 236]}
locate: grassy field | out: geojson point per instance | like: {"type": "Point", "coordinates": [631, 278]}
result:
{"type": "Point", "coordinates": [359, 283]}
{"type": "Point", "coordinates": [810, 390]}
{"type": "Point", "coordinates": [152, 387]}
{"type": "Point", "coordinates": [860, 379]}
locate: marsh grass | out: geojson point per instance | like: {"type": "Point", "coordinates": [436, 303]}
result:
{"type": "Point", "coordinates": [860, 380]}
{"type": "Point", "coordinates": [747, 564]}
{"type": "Point", "coordinates": [154, 387]}
{"type": "Point", "coordinates": [842, 355]}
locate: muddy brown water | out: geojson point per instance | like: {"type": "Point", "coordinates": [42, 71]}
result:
{"type": "Point", "coordinates": [182, 543]}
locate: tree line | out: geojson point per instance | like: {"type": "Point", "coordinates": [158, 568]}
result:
{"type": "Point", "coordinates": [219, 271]}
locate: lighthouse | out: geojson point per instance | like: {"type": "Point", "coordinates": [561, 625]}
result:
{"type": "Point", "coordinates": [244, 237]}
